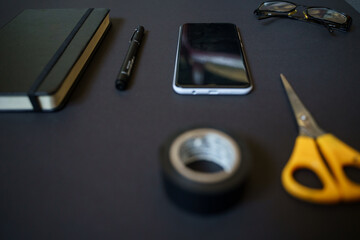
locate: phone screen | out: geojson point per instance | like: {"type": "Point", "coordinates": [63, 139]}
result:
{"type": "Point", "coordinates": [209, 58]}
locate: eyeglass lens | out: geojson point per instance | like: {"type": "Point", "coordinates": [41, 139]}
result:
{"type": "Point", "coordinates": [277, 6]}
{"type": "Point", "coordinates": [327, 14]}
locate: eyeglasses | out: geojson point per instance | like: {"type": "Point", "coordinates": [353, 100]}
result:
{"type": "Point", "coordinates": [328, 17]}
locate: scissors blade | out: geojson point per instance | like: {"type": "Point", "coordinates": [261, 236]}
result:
{"type": "Point", "coordinates": [307, 124]}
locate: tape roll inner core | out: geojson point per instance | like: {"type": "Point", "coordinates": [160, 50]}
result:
{"type": "Point", "coordinates": [209, 145]}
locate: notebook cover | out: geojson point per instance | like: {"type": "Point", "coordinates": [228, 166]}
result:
{"type": "Point", "coordinates": [39, 47]}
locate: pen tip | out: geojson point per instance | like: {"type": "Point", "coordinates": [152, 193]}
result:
{"type": "Point", "coordinates": [120, 85]}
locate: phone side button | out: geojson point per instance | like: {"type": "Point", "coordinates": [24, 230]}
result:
{"type": "Point", "coordinates": [213, 92]}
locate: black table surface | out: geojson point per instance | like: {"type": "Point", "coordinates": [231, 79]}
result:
{"type": "Point", "coordinates": [91, 170]}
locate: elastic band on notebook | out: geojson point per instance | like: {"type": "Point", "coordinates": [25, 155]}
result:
{"type": "Point", "coordinates": [31, 93]}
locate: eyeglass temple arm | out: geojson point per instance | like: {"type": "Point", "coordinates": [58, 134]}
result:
{"type": "Point", "coordinates": [327, 26]}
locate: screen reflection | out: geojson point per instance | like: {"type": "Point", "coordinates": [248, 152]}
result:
{"type": "Point", "coordinates": [210, 54]}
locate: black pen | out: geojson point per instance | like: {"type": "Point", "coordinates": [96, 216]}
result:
{"type": "Point", "coordinates": [125, 71]}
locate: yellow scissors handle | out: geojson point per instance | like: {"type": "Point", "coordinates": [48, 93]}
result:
{"type": "Point", "coordinates": [338, 156]}
{"type": "Point", "coordinates": [306, 156]}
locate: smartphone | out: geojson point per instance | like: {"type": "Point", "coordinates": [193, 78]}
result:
{"type": "Point", "coordinates": [210, 60]}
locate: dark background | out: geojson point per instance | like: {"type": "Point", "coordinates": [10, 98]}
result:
{"type": "Point", "coordinates": [92, 169]}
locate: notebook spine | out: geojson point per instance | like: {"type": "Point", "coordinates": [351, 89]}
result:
{"type": "Point", "coordinates": [32, 91]}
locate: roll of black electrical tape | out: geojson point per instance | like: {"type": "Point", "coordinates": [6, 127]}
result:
{"type": "Point", "coordinates": [204, 169]}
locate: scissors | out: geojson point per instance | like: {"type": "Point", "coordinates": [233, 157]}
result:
{"type": "Point", "coordinates": [311, 144]}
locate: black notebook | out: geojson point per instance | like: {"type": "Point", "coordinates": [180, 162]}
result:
{"type": "Point", "coordinates": [43, 52]}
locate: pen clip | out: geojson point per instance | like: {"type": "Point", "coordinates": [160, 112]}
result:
{"type": "Point", "coordinates": [133, 35]}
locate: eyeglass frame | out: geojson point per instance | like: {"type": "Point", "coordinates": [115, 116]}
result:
{"type": "Point", "coordinates": [330, 25]}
